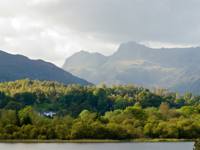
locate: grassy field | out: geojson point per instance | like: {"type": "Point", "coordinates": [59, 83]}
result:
{"type": "Point", "coordinates": [94, 141]}
{"type": "Point", "coordinates": [43, 106]}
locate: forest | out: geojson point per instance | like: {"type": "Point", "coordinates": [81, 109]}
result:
{"type": "Point", "coordinates": [90, 112]}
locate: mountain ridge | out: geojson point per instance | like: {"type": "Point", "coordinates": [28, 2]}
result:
{"type": "Point", "coordinates": [137, 64]}
{"type": "Point", "coordinates": [14, 67]}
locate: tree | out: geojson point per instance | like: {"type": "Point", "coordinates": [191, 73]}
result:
{"type": "Point", "coordinates": [97, 131]}
{"type": "Point", "coordinates": [187, 96]}
{"type": "Point", "coordinates": [142, 96]}
{"type": "Point", "coordinates": [96, 117]}
{"type": "Point", "coordinates": [148, 130]}
{"type": "Point", "coordinates": [28, 110]}
{"type": "Point", "coordinates": [115, 131]}
{"type": "Point", "coordinates": [26, 120]}
{"type": "Point", "coordinates": [102, 106]}
{"type": "Point", "coordinates": [9, 129]}
{"type": "Point", "coordinates": [196, 144]}
{"type": "Point", "coordinates": [179, 102]}
{"type": "Point", "coordinates": [42, 121]}
{"type": "Point", "coordinates": [119, 103]}
{"type": "Point", "coordinates": [153, 90]}
{"type": "Point", "coordinates": [157, 91]}
{"type": "Point", "coordinates": [100, 92]}
{"type": "Point", "coordinates": [79, 131]}
{"type": "Point", "coordinates": [188, 110]}
{"type": "Point", "coordinates": [16, 135]}
{"type": "Point", "coordinates": [13, 105]}
{"type": "Point", "coordinates": [67, 120]}
{"type": "Point", "coordinates": [33, 133]}
{"type": "Point", "coordinates": [196, 98]}
{"type": "Point", "coordinates": [35, 106]}
{"type": "Point", "coordinates": [173, 94]}
{"type": "Point", "coordinates": [103, 85]}
{"type": "Point", "coordinates": [17, 123]}
{"type": "Point", "coordinates": [164, 107]}
{"type": "Point", "coordinates": [84, 115]}
{"type": "Point", "coordinates": [113, 86]}
{"type": "Point", "coordinates": [8, 117]}
{"type": "Point", "coordinates": [137, 112]}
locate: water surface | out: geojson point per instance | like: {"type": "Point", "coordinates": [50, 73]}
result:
{"type": "Point", "coordinates": [99, 146]}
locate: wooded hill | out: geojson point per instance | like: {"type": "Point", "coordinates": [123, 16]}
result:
{"type": "Point", "coordinates": [16, 67]}
{"type": "Point", "coordinates": [176, 69]}
{"type": "Point", "coordinates": [87, 112]}
{"type": "Point", "coordinates": [72, 99]}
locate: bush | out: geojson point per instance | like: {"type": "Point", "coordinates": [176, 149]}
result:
{"type": "Point", "coordinates": [16, 135]}
{"type": "Point", "coordinates": [7, 136]}
{"type": "Point", "coordinates": [1, 136]}
{"type": "Point", "coordinates": [42, 137]}
{"type": "Point", "coordinates": [24, 136]}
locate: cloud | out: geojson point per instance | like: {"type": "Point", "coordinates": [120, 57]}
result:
{"type": "Point", "coordinates": [116, 20]}
{"type": "Point", "coordinates": [53, 30]}
{"type": "Point", "coordinates": [23, 32]}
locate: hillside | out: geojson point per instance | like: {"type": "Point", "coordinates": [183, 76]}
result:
{"type": "Point", "coordinates": [15, 67]}
{"type": "Point", "coordinates": [122, 112]}
{"type": "Point", "coordinates": [171, 68]}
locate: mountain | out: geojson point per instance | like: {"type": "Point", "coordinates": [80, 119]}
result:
{"type": "Point", "coordinates": [15, 67]}
{"type": "Point", "coordinates": [175, 69]}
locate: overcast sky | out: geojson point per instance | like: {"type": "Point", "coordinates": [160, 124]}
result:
{"type": "Point", "coordinates": [53, 30]}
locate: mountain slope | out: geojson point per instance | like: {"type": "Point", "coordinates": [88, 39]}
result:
{"type": "Point", "coordinates": [15, 67]}
{"type": "Point", "coordinates": [171, 68]}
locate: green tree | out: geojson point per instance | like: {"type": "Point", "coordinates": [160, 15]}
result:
{"type": "Point", "coordinates": [8, 116]}
{"type": "Point", "coordinates": [13, 105]}
{"type": "Point", "coordinates": [97, 131]}
{"type": "Point", "coordinates": [26, 120]}
{"type": "Point", "coordinates": [119, 103]}
{"type": "Point", "coordinates": [84, 115]}
{"type": "Point", "coordinates": [33, 133]}
{"type": "Point", "coordinates": [196, 144]}
{"type": "Point", "coordinates": [137, 112]}
{"type": "Point", "coordinates": [164, 107]}
{"type": "Point", "coordinates": [17, 123]}
{"type": "Point", "coordinates": [148, 130]}
{"type": "Point", "coordinates": [79, 131]}
{"type": "Point", "coordinates": [103, 85]}
{"type": "Point", "coordinates": [28, 110]}
{"type": "Point", "coordinates": [189, 110]}
{"type": "Point", "coordinates": [187, 96]}
{"type": "Point", "coordinates": [16, 135]}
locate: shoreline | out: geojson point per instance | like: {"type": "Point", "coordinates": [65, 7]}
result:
{"type": "Point", "coordinates": [96, 141]}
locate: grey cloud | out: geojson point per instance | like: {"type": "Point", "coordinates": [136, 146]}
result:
{"type": "Point", "coordinates": [118, 20]}
{"type": "Point", "coordinates": [94, 25]}
{"type": "Point", "coordinates": [32, 36]}
{"type": "Point", "coordinates": [11, 8]}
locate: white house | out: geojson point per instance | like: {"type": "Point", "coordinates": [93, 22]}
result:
{"type": "Point", "coordinates": [47, 113]}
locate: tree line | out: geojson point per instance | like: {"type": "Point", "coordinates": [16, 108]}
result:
{"type": "Point", "coordinates": [130, 123]}
{"type": "Point", "coordinates": [90, 112]}
{"type": "Point", "coordinates": [72, 99]}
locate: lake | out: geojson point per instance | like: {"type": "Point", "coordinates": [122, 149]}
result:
{"type": "Point", "coordinates": [99, 146]}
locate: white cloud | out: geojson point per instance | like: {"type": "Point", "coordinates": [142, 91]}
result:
{"type": "Point", "coordinates": [53, 30]}
{"type": "Point", "coordinates": [36, 2]}
{"type": "Point", "coordinates": [166, 45]}
{"type": "Point", "coordinates": [40, 40]}
{"type": "Point", "coordinates": [6, 28]}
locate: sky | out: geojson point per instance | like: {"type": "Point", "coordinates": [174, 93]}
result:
{"type": "Point", "coordinates": [53, 30]}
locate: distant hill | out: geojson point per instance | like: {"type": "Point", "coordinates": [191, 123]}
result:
{"type": "Point", "coordinates": [15, 67]}
{"type": "Point", "coordinates": [175, 69]}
